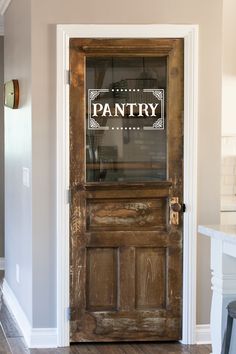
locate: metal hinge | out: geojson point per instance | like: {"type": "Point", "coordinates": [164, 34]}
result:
{"type": "Point", "coordinates": [68, 77]}
{"type": "Point", "coordinates": [68, 196]}
{"type": "Point", "coordinates": [68, 313]}
{"type": "Point", "coordinates": [183, 208]}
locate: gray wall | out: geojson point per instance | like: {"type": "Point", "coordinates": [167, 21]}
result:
{"type": "Point", "coordinates": [1, 148]}
{"type": "Point", "coordinates": [18, 152]}
{"type": "Point", "coordinates": [229, 69]}
{"type": "Point", "coordinates": [44, 17]}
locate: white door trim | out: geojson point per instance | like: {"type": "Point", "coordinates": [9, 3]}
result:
{"type": "Point", "coordinates": [190, 35]}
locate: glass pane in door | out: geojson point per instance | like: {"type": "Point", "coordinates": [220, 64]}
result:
{"type": "Point", "coordinates": [126, 119]}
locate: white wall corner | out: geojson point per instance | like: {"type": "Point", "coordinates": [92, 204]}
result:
{"type": "Point", "coordinates": [2, 263]}
{"type": "Point", "coordinates": [203, 334]}
{"type": "Point", "coordinates": [4, 5]}
{"type": "Point", "coordinates": [34, 337]}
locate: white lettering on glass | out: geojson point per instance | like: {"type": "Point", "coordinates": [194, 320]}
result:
{"type": "Point", "coordinates": [99, 111]}
{"type": "Point", "coordinates": [124, 109]}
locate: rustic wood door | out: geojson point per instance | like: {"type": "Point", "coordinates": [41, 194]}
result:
{"type": "Point", "coordinates": [126, 180]}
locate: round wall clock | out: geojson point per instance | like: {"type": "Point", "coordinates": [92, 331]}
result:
{"type": "Point", "coordinates": [11, 94]}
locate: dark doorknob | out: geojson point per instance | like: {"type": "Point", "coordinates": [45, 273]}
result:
{"type": "Point", "coordinates": [176, 207]}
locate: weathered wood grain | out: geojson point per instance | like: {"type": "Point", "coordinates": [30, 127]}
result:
{"type": "Point", "coordinates": [125, 256]}
{"type": "Point", "coordinates": [101, 279]}
{"type": "Point", "coordinates": [150, 278]}
{"type": "Point", "coordinates": [131, 214]}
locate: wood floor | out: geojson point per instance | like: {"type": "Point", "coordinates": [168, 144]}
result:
{"type": "Point", "coordinates": [12, 342]}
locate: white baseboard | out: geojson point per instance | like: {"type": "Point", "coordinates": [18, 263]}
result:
{"type": "Point", "coordinates": [2, 263]}
{"type": "Point", "coordinates": [43, 338]}
{"type": "Point", "coordinates": [34, 337]}
{"type": "Point", "coordinates": [203, 334]}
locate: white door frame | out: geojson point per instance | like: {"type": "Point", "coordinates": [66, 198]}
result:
{"type": "Point", "coordinates": [190, 35]}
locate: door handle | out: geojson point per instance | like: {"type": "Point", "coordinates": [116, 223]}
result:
{"type": "Point", "coordinates": [175, 209]}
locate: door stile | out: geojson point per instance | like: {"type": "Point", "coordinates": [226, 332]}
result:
{"type": "Point", "coordinates": [77, 180]}
{"type": "Point", "coordinates": [175, 170]}
{"type": "Point", "coordinates": [127, 289]}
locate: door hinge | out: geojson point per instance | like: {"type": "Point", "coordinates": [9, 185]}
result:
{"type": "Point", "coordinates": [68, 313]}
{"type": "Point", "coordinates": [183, 208]}
{"type": "Point", "coordinates": [68, 77]}
{"type": "Point", "coordinates": [68, 196]}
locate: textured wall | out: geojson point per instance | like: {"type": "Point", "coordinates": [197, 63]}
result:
{"type": "Point", "coordinates": [229, 68]}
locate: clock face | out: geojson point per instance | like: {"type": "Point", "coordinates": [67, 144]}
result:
{"type": "Point", "coordinates": [11, 94]}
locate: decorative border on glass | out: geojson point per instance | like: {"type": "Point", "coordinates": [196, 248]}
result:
{"type": "Point", "coordinates": [92, 123]}
{"type": "Point", "coordinates": [92, 118]}
{"type": "Point", "coordinates": [159, 123]}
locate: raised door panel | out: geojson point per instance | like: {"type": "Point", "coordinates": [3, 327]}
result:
{"type": "Point", "coordinates": [150, 278]}
{"type": "Point", "coordinates": [101, 285]}
{"type": "Point", "coordinates": [125, 214]}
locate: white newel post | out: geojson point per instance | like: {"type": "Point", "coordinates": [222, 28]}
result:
{"type": "Point", "coordinates": [224, 290]}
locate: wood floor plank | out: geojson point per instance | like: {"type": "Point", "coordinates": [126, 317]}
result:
{"type": "Point", "coordinates": [115, 349]}
{"type": "Point", "coordinates": [4, 347]}
{"type": "Point", "coordinates": [85, 349]}
{"type": "Point", "coordinates": [110, 349]}
{"type": "Point", "coordinates": [161, 348]}
{"type": "Point", "coordinates": [126, 348]}
{"type": "Point", "coordinates": [9, 325]}
{"type": "Point", "coordinates": [200, 349]}
{"type": "Point", "coordinates": [138, 348]}
{"type": "Point", "coordinates": [18, 346]}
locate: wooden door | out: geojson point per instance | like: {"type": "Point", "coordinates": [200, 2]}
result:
{"type": "Point", "coordinates": [126, 179]}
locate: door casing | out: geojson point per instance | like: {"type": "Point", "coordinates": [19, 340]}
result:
{"type": "Point", "coordinates": [190, 35]}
